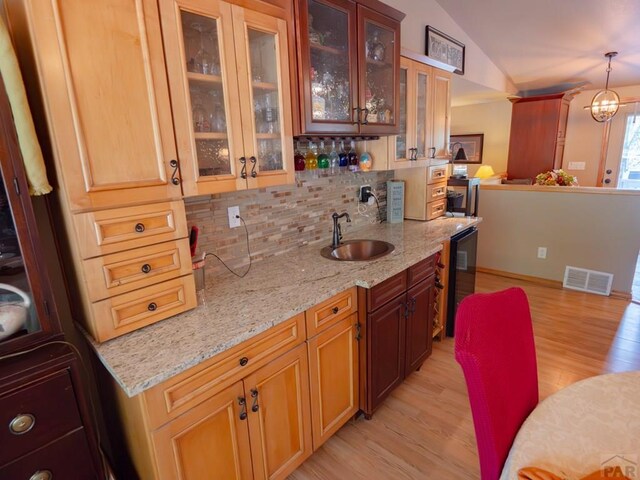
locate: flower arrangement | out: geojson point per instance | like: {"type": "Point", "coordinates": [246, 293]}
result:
{"type": "Point", "coordinates": [556, 177]}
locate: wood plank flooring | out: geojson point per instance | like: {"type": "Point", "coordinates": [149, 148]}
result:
{"type": "Point", "coordinates": [425, 430]}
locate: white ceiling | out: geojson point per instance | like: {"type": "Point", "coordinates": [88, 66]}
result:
{"type": "Point", "coordinates": [543, 44]}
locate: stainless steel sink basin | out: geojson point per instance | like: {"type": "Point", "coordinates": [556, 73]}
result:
{"type": "Point", "coordinates": [358, 250]}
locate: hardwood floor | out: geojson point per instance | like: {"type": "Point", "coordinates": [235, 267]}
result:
{"type": "Point", "coordinates": [424, 429]}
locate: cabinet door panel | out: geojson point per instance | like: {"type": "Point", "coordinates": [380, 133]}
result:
{"type": "Point", "coordinates": [441, 112]}
{"type": "Point", "coordinates": [419, 324]}
{"type": "Point", "coordinates": [386, 349]}
{"type": "Point", "coordinates": [204, 89]}
{"type": "Point", "coordinates": [424, 111]}
{"type": "Point", "coordinates": [209, 441]}
{"type": "Point", "coordinates": [263, 79]}
{"type": "Point", "coordinates": [333, 367]}
{"type": "Point", "coordinates": [279, 415]}
{"type": "Point", "coordinates": [109, 110]}
{"type": "Point", "coordinates": [327, 55]}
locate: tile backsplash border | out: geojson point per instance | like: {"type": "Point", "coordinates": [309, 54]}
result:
{"type": "Point", "coordinates": [282, 218]}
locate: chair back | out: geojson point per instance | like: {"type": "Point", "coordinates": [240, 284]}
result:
{"type": "Point", "coordinates": [495, 348]}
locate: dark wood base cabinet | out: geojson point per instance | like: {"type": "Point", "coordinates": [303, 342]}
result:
{"type": "Point", "coordinates": [399, 330]}
{"type": "Point", "coordinates": [47, 432]}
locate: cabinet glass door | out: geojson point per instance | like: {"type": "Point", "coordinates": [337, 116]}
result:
{"type": "Point", "coordinates": [328, 65]}
{"type": "Point", "coordinates": [261, 44]}
{"type": "Point", "coordinates": [379, 61]}
{"type": "Point", "coordinates": [423, 125]}
{"type": "Point", "coordinates": [401, 139]}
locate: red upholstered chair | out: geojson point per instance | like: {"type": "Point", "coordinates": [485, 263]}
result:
{"type": "Point", "coordinates": [495, 348]}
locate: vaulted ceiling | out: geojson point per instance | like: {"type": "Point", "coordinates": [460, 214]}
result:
{"type": "Point", "coordinates": [547, 45]}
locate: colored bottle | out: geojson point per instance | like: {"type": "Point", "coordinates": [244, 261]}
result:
{"type": "Point", "coordinates": [311, 159]}
{"type": "Point", "coordinates": [323, 158]}
{"type": "Point", "coordinates": [298, 159]}
{"type": "Point", "coordinates": [365, 162]}
{"type": "Point", "coordinates": [343, 157]}
{"type": "Point", "coordinates": [353, 158]}
{"type": "Point", "coordinates": [334, 158]}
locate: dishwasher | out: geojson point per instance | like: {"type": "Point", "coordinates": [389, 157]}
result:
{"type": "Point", "coordinates": [462, 272]}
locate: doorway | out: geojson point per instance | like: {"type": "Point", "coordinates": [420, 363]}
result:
{"type": "Point", "coordinates": [629, 170]}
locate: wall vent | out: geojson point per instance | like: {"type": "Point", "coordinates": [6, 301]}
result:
{"type": "Point", "coordinates": [587, 280]}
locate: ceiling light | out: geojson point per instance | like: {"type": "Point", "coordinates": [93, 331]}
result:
{"type": "Point", "coordinates": [606, 102]}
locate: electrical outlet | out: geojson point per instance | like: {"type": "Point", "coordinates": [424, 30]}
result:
{"type": "Point", "coordinates": [365, 193]}
{"type": "Point", "coordinates": [234, 216]}
{"type": "Point", "coordinates": [542, 252]}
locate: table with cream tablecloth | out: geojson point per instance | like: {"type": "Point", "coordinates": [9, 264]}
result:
{"type": "Point", "coordinates": [577, 429]}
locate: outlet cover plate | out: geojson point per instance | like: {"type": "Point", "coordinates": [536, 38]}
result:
{"type": "Point", "coordinates": [232, 212]}
{"type": "Point", "coordinates": [542, 252]}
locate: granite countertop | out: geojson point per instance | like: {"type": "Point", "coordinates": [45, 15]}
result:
{"type": "Point", "coordinates": [276, 289]}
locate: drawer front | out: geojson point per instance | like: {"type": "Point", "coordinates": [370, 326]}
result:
{"type": "Point", "coordinates": [421, 270]}
{"type": "Point", "coordinates": [322, 316]}
{"type": "Point", "coordinates": [436, 191]}
{"type": "Point", "coordinates": [181, 393]}
{"type": "Point", "coordinates": [36, 415]}
{"type": "Point", "coordinates": [436, 209]}
{"type": "Point", "coordinates": [133, 310]}
{"type": "Point", "coordinates": [67, 458]}
{"type": "Point", "coordinates": [437, 173]}
{"type": "Point", "coordinates": [122, 272]}
{"type": "Point", "coordinates": [109, 231]}
{"type": "Point", "coordinates": [386, 291]}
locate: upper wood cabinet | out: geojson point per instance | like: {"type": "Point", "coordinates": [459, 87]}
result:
{"type": "Point", "coordinates": [349, 59]}
{"type": "Point", "coordinates": [229, 78]}
{"type": "Point", "coordinates": [104, 90]}
{"type": "Point", "coordinates": [538, 129]}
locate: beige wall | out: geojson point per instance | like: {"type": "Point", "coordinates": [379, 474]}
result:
{"type": "Point", "coordinates": [597, 231]}
{"type": "Point", "coordinates": [494, 120]}
{"type": "Point", "coordinates": [478, 67]}
{"type": "Point", "coordinates": [584, 135]}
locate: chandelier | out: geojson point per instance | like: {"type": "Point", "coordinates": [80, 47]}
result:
{"type": "Point", "coordinates": [606, 102]}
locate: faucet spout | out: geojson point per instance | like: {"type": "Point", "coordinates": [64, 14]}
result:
{"type": "Point", "coordinates": [337, 231]}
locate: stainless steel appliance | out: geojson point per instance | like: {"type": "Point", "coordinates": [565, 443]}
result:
{"type": "Point", "coordinates": [462, 272]}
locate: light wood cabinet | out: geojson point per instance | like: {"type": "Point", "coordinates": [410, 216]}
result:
{"type": "Point", "coordinates": [229, 78]}
{"type": "Point", "coordinates": [425, 190]}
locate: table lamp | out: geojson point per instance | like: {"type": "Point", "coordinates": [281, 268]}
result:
{"type": "Point", "coordinates": [485, 171]}
{"type": "Point", "coordinates": [458, 171]}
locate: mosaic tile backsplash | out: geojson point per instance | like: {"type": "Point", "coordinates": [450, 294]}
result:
{"type": "Point", "coordinates": [283, 217]}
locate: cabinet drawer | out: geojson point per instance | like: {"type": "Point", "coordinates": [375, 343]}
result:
{"type": "Point", "coordinates": [437, 173]}
{"type": "Point", "coordinates": [325, 314]}
{"type": "Point", "coordinates": [436, 191]}
{"type": "Point", "coordinates": [182, 392]}
{"type": "Point", "coordinates": [421, 270]}
{"type": "Point", "coordinates": [36, 415]}
{"type": "Point", "coordinates": [66, 458]}
{"type": "Point", "coordinates": [386, 291]}
{"type": "Point", "coordinates": [122, 272]}
{"type": "Point", "coordinates": [130, 311]}
{"type": "Point", "coordinates": [109, 231]}
{"type": "Point", "coordinates": [436, 209]}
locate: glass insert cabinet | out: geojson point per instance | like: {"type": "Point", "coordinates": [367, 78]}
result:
{"type": "Point", "coordinates": [349, 61]}
{"type": "Point", "coordinates": [229, 83]}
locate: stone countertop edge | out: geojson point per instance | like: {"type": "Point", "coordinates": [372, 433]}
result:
{"type": "Point", "coordinates": [276, 289]}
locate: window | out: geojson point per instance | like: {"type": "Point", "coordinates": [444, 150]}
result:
{"type": "Point", "coordinates": [629, 176]}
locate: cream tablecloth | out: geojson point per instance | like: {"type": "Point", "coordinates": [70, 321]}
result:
{"type": "Point", "coordinates": [573, 432]}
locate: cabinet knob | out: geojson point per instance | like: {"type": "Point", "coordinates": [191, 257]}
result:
{"type": "Point", "coordinates": [607, 180]}
{"type": "Point", "coordinates": [139, 227]}
{"type": "Point", "coordinates": [609, 171]}
{"type": "Point", "coordinates": [41, 475]}
{"type": "Point", "coordinates": [335, 310]}
{"type": "Point", "coordinates": [22, 423]}
{"type": "Point", "coordinates": [244, 361]}
{"type": "Point", "coordinates": [146, 268]}
{"type": "Point", "coordinates": [152, 307]}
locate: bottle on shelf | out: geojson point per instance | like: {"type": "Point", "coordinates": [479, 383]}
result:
{"type": "Point", "coordinates": [343, 157]}
{"type": "Point", "coordinates": [311, 159]}
{"type": "Point", "coordinates": [298, 159]}
{"type": "Point", "coordinates": [334, 158]}
{"type": "Point", "coordinates": [353, 158]}
{"type": "Point", "coordinates": [323, 158]}
{"type": "Point", "coordinates": [365, 162]}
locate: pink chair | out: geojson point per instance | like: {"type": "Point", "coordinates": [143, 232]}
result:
{"type": "Point", "coordinates": [495, 348]}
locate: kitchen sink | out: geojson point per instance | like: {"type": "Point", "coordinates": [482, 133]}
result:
{"type": "Point", "coordinates": [358, 250]}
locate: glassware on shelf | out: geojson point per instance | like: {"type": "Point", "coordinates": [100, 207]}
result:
{"type": "Point", "coordinates": [205, 60]}
{"type": "Point", "coordinates": [270, 114]}
{"type": "Point", "coordinates": [314, 35]}
{"type": "Point", "coordinates": [323, 158]}
{"type": "Point", "coordinates": [218, 121]}
{"type": "Point", "coordinates": [375, 48]}
{"type": "Point", "coordinates": [201, 121]}
{"type": "Point", "coordinates": [298, 159]}
{"type": "Point", "coordinates": [353, 158]}
{"type": "Point", "coordinates": [343, 156]}
{"type": "Point", "coordinates": [334, 158]}
{"type": "Point", "coordinates": [366, 162]}
{"type": "Point", "coordinates": [311, 159]}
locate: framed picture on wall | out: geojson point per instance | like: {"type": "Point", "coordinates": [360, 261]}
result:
{"type": "Point", "coordinates": [472, 145]}
{"type": "Point", "coordinates": [445, 49]}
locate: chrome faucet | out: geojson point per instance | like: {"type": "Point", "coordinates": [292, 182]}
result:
{"type": "Point", "coordinates": [337, 231]}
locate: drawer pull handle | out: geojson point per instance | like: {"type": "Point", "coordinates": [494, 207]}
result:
{"type": "Point", "coordinates": [152, 307]}
{"type": "Point", "coordinates": [174, 175]}
{"type": "Point", "coordinates": [146, 268]}
{"type": "Point", "coordinates": [243, 170]}
{"type": "Point", "coordinates": [41, 475]}
{"type": "Point", "coordinates": [253, 161]}
{"type": "Point", "coordinates": [254, 394]}
{"type": "Point", "coordinates": [22, 423]}
{"type": "Point", "coordinates": [244, 361]}
{"type": "Point", "coordinates": [139, 227]}
{"type": "Point", "coordinates": [243, 407]}
{"type": "Point", "coordinates": [335, 310]}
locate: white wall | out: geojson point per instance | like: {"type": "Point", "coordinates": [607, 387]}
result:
{"type": "Point", "coordinates": [584, 135]}
{"type": "Point", "coordinates": [494, 120]}
{"type": "Point", "coordinates": [478, 67]}
{"type": "Point", "coordinates": [598, 231]}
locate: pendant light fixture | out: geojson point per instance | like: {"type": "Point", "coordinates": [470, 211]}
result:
{"type": "Point", "coordinates": [606, 102]}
